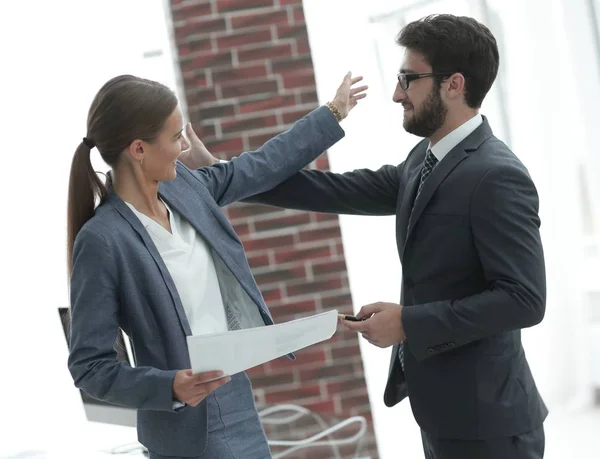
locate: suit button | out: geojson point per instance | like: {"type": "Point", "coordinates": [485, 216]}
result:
{"type": "Point", "coordinates": [451, 344]}
{"type": "Point", "coordinates": [436, 347]}
{"type": "Point", "coordinates": [444, 347]}
{"type": "Point", "coordinates": [430, 350]}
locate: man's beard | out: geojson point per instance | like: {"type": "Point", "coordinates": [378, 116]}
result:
{"type": "Point", "coordinates": [430, 118]}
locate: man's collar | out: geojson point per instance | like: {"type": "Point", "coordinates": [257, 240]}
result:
{"type": "Point", "coordinates": [449, 141]}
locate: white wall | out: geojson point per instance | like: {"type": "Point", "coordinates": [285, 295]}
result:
{"type": "Point", "coordinates": [55, 56]}
{"type": "Point", "coordinates": [546, 128]}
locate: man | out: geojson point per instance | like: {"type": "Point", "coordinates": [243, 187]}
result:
{"type": "Point", "coordinates": [468, 239]}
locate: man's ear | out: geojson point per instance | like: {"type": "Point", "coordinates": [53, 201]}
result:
{"type": "Point", "coordinates": [455, 85]}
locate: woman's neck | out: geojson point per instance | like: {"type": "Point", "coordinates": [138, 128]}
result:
{"type": "Point", "coordinates": [132, 186]}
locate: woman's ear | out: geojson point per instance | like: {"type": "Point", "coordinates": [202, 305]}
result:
{"type": "Point", "coordinates": [135, 150]}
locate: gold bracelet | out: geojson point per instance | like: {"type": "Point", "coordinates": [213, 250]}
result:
{"type": "Point", "coordinates": [335, 111]}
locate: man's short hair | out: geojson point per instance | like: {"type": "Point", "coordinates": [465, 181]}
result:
{"type": "Point", "coordinates": [456, 44]}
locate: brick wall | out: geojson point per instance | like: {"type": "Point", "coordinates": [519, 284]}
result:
{"type": "Point", "coordinates": [248, 75]}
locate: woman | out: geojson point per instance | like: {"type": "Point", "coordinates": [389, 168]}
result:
{"type": "Point", "coordinates": [159, 259]}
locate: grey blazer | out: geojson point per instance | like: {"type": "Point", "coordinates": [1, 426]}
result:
{"type": "Point", "coordinates": [473, 277]}
{"type": "Point", "coordinates": [120, 280]}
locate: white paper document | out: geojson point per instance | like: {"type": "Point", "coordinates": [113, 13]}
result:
{"type": "Point", "coordinates": [238, 350]}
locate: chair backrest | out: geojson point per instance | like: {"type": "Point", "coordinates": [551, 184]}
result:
{"type": "Point", "coordinates": [288, 414]}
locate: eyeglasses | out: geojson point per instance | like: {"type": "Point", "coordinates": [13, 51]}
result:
{"type": "Point", "coordinates": [405, 78]}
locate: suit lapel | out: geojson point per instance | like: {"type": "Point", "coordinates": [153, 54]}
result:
{"type": "Point", "coordinates": [471, 143]}
{"type": "Point", "coordinates": [408, 199]}
{"type": "Point", "coordinates": [137, 225]}
{"type": "Point", "coordinates": [432, 183]}
{"type": "Point", "coordinates": [437, 176]}
{"type": "Point", "coordinates": [206, 222]}
{"type": "Point", "coordinates": [194, 216]}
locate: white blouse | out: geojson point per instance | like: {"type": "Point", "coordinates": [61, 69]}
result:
{"type": "Point", "coordinates": [189, 261]}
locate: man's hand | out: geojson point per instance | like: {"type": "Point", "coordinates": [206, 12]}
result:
{"type": "Point", "coordinates": [382, 326]}
{"type": "Point", "coordinates": [197, 155]}
{"type": "Point", "coordinates": [191, 388]}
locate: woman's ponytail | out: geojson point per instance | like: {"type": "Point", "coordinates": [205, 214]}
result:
{"type": "Point", "coordinates": [84, 188]}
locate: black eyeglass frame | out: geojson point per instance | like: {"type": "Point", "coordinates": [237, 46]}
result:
{"type": "Point", "coordinates": [410, 77]}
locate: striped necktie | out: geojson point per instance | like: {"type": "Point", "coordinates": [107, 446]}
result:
{"type": "Point", "coordinates": [428, 165]}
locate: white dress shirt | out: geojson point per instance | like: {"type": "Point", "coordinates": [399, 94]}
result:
{"type": "Point", "coordinates": [448, 142]}
{"type": "Point", "coordinates": [189, 261]}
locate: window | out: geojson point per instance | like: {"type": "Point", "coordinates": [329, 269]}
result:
{"type": "Point", "coordinates": [386, 25]}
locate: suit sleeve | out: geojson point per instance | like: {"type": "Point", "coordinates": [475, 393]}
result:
{"type": "Point", "coordinates": [360, 192]}
{"type": "Point", "coordinates": [505, 226]}
{"type": "Point", "coordinates": [279, 158]}
{"type": "Point", "coordinates": [94, 327]}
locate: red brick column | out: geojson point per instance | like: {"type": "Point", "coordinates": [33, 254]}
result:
{"type": "Point", "coordinates": [248, 75]}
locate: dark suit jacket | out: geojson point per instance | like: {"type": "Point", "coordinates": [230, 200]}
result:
{"type": "Point", "coordinates": [120, 281]}
{"type": "Point", "coordinates": [473, 277]}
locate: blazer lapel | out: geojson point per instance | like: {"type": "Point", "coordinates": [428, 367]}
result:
{"type": "Point", "coordinates": [437, 176]}
{"type": "Point", "coordinates": [137, 225]}
{"type": "Point", "coordinates": [205, 222]}
{"type": "Point", "coordinates": [406, 206]}
{"type": "Point", "coordinates": [471, 143]}
{"type": "Point", "coordinates": [193, 216]}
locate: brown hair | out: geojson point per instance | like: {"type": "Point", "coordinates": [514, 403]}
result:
{"type": "Point", "coordinates": [125, 109]}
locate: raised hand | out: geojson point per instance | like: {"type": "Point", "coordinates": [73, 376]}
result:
{"type": "Point", "coordinates": [347, 96]}
{"type": "Point", "coordinates": [197, 155]}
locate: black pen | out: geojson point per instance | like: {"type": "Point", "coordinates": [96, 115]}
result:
{"type": "Point", "coordinates": [350, 318]}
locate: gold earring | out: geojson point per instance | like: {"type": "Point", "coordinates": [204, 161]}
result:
{"type": "Point", "coordinates": [141, 161]}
